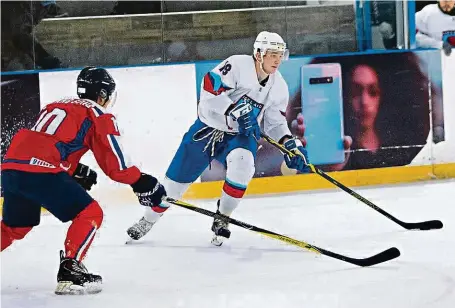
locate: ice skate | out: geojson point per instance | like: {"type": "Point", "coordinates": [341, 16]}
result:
{"type": "Point", "coordinates": [74, 279]}
{"type": "Point", "coordinates": [139, 229]}
{"type": "Point", "coordinates": [220, 229]}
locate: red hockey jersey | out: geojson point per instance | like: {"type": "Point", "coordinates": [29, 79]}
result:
{"type": "Point", "coordinates": [64, 132]}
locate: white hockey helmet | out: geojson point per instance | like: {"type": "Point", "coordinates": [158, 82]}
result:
{"type": "Point", "coordinates": [270, 41]}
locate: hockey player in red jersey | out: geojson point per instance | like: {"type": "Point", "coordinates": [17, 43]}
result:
{"type": "Point", "coordinates": [41, 169]}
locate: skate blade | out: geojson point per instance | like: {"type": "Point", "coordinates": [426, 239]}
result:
{"type": "Point", "coordinates": [131, 238]}
{"type": "Point", "coordinates": [129, 241]}
{"type": "Point", "coordinates": [217, 240]}
{"type": "Point", "coordinates": [68, 288]}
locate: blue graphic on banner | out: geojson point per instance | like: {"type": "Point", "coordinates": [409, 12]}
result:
{"type": "Point", "coordinates": [322, 110]}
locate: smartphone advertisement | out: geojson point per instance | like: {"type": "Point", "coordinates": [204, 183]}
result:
{"type": "Point", "coordinates": [322, 111]}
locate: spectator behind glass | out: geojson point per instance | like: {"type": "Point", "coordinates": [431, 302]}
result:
{"type": "Point", "coordinates": [20, 49]}
{"type": "Point", "coordinates": [383, 15]}
{"type": "Point", "coordinates": [435, 25]}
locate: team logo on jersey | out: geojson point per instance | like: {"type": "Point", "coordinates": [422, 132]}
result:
{"type": "Point", "coordinates": [257, 107]}
{"type": "Point", "coordinates": [213, 84]}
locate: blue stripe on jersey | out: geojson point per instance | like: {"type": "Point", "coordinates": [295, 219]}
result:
{"type": "Point", "coordinates": [66, 149]}
{"type": "Point", "coordinates": [17, 161]}
{"type": "Point", "coordinates": [97, 114]}
{"type": "Point", "coordinates": [98, 110]}
{"type": "Point", "coordinates": [118, 151]}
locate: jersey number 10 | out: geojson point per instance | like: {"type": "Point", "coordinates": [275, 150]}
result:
{"type": "Point", "coordinates": [49, 122]}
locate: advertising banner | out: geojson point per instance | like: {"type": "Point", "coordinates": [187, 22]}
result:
{"type": "Point", "coordinates": [20, 105]}
{"type": "Point", "coordinates": [443, 152]}
{"type": "Point", "coordinates": [377, 110]}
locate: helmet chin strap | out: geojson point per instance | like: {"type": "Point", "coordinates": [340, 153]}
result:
{"type": "Point", "coordinates": [109, 103]}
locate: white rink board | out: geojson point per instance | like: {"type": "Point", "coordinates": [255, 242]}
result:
{"type": "Point", "coordinates": [154, 108]}
{"type": "Point", "coordinates": [443, 152]}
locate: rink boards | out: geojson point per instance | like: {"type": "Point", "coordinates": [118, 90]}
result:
{"type": "Point", "coordinates": [156, 105]}
{"type": "Point", "coordinates": [352, 178]}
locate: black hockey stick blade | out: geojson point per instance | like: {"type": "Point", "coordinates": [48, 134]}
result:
{"type": "Point", "coordinates": [384, 256]}
{"type": "Point", "coordinates": [424, 225]}
{"type": "Point", "coordinates": [381, 257]}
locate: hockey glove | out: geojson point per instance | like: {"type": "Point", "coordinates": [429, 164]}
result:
{"type": "Point", "coordinates": [148, 190]}
{"type": "Point", "coordinates": [85, 176]}
{"type": "Point", "coordinates": [300, 160]}
{"type": "Point", "coordinates": [242, 112]}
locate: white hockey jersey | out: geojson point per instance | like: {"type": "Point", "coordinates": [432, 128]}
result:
{"type": "Point", "coordinates": [432, 24]}
{"type": "Point", "coordinates": [229, 81]}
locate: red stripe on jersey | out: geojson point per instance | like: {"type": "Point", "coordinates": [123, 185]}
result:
{"type": "Point", "coordinates": [209, 84]}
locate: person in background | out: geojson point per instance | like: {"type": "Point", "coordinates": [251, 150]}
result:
{"type": "Point", "coordinates": [435, 25]}
{"type": "Point", "coordinates": [20, 48]}
{"type": "Point", "coordinates": [53, 10]}
{"type": "Point", "coordinates": [383, 15]}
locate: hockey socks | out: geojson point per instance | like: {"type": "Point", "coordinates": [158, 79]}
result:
{"type": "Point", "coordinates": [230, 197]}
{"type": "Point", "coordinates": [82, 231]}
{"type": "Point", "coordinates": [10, 234]}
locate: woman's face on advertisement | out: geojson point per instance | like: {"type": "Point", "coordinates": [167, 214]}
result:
{"type": "Point", "coordinates": [366, 95]}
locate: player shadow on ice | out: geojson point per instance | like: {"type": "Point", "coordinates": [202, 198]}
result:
{"type": "Point", "coordinates": [244, 254]}
{"type": "Point", "coordinates": [249, 253]}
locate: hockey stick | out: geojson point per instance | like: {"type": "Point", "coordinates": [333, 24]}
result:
{"type": "Point", "coordinates": [381, 257]}
{"type": "Point", "coordinates": [424, 225]}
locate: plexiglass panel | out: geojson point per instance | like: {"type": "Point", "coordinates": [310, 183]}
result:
{"type": "Point", "coordinates": [110, 33]}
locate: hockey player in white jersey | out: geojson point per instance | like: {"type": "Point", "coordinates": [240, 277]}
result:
{"type": "Point", "coordinates": [240, 96]}
{"type": "Point", "coordinates": [435, 25]}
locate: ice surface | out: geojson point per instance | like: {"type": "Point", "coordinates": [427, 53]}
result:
{"type": "Point", "coordinates": [176, 266]}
